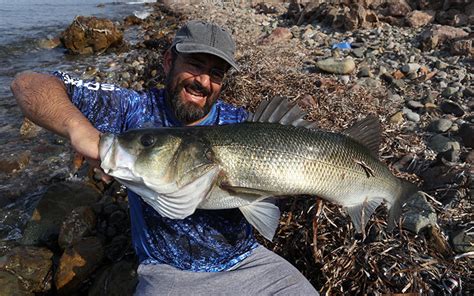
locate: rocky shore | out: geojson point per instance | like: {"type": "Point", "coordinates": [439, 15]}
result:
{"type": "Point", "coordinates": [408, 62]}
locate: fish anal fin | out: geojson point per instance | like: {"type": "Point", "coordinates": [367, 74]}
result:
{"type": "Point", "coordinates": [360, 213]}
{"type": "Point", "coordinates": [264, 216]}
{"type": "Point", "coordinates": [368, 132]}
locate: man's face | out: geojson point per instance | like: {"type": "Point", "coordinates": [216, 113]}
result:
{"type": "Point", "coordinates": [193, 84]}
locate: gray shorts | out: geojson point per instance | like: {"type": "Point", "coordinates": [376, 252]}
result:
{"type": "Point", "coordinates": [262, 273]}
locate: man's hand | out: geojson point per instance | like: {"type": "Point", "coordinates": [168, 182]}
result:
{"type": "Point", "coordinates": [85, 140]}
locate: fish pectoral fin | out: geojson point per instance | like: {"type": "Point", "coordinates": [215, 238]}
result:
{"type": "Point", "coordinates": [182, 201]}
{"type": "Point", "coordinates": [361, 213]}
{"type": "Point", "coordinates": [264, 216]}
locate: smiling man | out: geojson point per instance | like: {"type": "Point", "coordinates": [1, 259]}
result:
{"type": "Point", "coordinates": [209, 252]}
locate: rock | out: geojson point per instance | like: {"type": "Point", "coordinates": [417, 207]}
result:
{"type": "Point", "coordinates": [449, 91]}
{"type": "Point", "coordinates": [431, 37]}
{"type": "Point", "coordinates": [58, 202]}
{"type": "Point", "coordinates": [359, 52]}
{"type": "Point", "coordinates": [364, 71]}
{"type": "Point", "coordinates": [463, 241]}
{"type": "Point", "coordinates": [12, 286]}
{"type": "Point", "coordinates": [331, 65]}
{"type": "Point", "coordinates": [450, 107]}
{"type": "Point", "coordinates": [419, 18]}
{"type": "Point", "coordinates": [403, 164]}
{"type": "Point", "coordinates": [415, 104]}
{"type": "Point", "coordinates": [398, 83]}
{"type": "Point", "coordinates": [440, 143]}
{"type": "Point", "coordinates": [32, 265]}
{"type": "Point", "coordinates": [397, 118]}
{"type": "Point", "coordinates": [49, 43]}
{"type": "Point", "coordinates": [418, 213]}
{"type": "Point", "coordinates": [132, 20]}
{"type": "Point", "coordinates": [15, 163]}
{"type": "Point", "coordinates": [78, 224]}
{"type": "Point", "coordinates": [88, 35]}
{"type": "Point", "coordinates": [462, 47]}
{"type": "Point", "coordinates": [117, 279]}
{"type": "Point", "coordinates": [398, 8]}
{"type": "Point", "coordinates": [440, 125]}
{"type": "Point", "coordinates": [77, 263]}
{"type": "Point", "coordinates": [278, 34]}
{"type": "Point", "coordinates": [410, 68]}
{"type": "Point", "coordinates": [412, 116]}
{"type": "Point", "coordinates": [466, 132]}
{"type": "Point", "coordinates": [29, 129]}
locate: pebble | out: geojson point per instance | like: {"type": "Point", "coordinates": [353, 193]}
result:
{"type": "Point", "coordinates": [449, 91]}
{"type": "Point", "coordinates": [450, 107]}
{"type": "Point", "coordinates": [415, 104]}
{"type": "Point", "coordinates": [440, 125]}
{"type": "Point", "coordinates": [440, 143]}
{"type": "Point", "coordinates": [410, 68]}
{"type": "Point", "coordinates": [331, 65]}
{"type": "Point", "coordinates": [397, 118]}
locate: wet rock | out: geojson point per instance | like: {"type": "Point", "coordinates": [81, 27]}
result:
{"type": "Point", "coordinates": [88, 35]}
{"type": "Point", "coordinates": [466, 132]}
{"type": "Point", "coordinates": [331, 65]}
{"type": "Point", "coordinates": [278, 34]}
{"type": "Point", "coordinates": [11, 285]}
{"type": "Point", "coordinates": [463, 241]}
{"type": "Point", "coordinates": [14, 163]}
{"type": "Point", "coordinates": [117, 279]}
{"type": "Point", "coordinates": [440, 143]}
{"type": "Point", "coordinates": [28, 129]}
{"type": "Point", "coordinates": [78, 224]}
{"type": "Point", "coordinates": [450, 107]}
{"type": "Point", "coordinates": [30, 264]}
{"type": "Point", "coordinates": [77, 263]}
{"type": "Point", "coordinates": [58, 202]}
{"type": "Point", "coordinates": [49, 43]}
{"type": "Point", "coordinates": [440, 125]}
{"type": "Point", "coordinates": [418, 213]}
{"type": "Point", "coordinates": [437, 34]}
{"type": "Point", "coordinates": [419, 18]}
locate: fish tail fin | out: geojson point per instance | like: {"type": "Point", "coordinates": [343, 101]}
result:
{"type": "Point", "coordinates": [407, 190]}
{"type": "Point", "coordinates": [360, 213]}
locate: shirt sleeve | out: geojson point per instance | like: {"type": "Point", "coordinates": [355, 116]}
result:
{"type": "Point", "coordinates": [105, 105]}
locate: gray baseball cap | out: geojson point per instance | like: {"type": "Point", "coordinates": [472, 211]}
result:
{"type": "Point", "coordinates": [201, 37]}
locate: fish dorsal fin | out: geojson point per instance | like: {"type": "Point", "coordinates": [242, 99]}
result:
{"type": "Point", "coordinates": [367, 132]}
{"type": "Point", "coordinates": [264, 216]}
{"type": "Point", "coordinates": [279, 110]}
{"type": "Point", "coordinates": [360, 213]}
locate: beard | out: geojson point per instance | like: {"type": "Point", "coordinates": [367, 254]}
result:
{"type": "Point", "coordinates": [188, 112]}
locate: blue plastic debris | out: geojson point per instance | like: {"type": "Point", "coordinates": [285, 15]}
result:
{"type": "Point", "coordinates": [342, 45]}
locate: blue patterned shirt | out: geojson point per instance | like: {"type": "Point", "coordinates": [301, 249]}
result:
{"type": "Point", "coordinates": [208, 240]}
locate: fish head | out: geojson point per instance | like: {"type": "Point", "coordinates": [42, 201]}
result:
{"type": "Point", "coordinates": [139, 154]}
{"type": "Point", "coordinates": [172, 171]}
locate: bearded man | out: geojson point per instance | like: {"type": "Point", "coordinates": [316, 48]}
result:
{"type": "Point", "coordinates": [211, 251]}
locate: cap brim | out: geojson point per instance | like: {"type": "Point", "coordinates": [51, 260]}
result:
{"type": "Point", "coordinates": [200, 48]}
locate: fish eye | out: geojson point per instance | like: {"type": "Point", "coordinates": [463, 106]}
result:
{"type": "Point", "coordinates": [147, 140]}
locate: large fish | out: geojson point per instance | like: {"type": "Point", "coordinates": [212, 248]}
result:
{"type": "Point", "coordinates": [246, 165]}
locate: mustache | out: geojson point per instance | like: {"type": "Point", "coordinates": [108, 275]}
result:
{"type": "Point", "coordinates": [198, 87]}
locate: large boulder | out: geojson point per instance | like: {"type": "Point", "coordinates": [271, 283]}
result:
{"type": "Point", "coordinates": [88, 35]}
{"type": "Point", "coordinates": [435, 35]}
{"type": "Point", "coordinates": [57, 203]}
{"type": "Point", "coordinates": [31, 266]}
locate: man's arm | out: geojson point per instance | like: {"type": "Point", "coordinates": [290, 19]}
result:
{"type": "Point", "coordinates": [44, 100]}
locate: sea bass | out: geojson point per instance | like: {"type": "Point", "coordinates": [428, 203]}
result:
{"type": "Point", "coordinates": [276, 153]}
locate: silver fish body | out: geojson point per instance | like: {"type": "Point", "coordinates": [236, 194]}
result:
{"type": "Point", "coordinates": [177, 170]}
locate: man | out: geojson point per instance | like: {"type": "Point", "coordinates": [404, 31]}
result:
{"type": "Point", "coordinates": [209, 252]}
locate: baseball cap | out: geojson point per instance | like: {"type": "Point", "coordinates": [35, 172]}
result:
{"type": "Point", "coordinates": [201, 37]}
